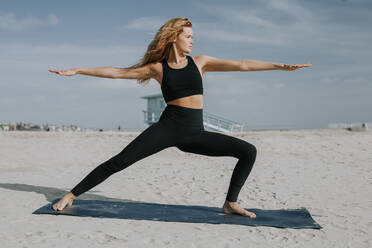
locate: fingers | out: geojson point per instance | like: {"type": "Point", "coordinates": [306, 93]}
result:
{"type": "Point", "coordinates": [304, 65]}
{"type": "Point", "coordinates": [58, 71]}
{"type": "Point", "coordinates": [56, 207]}
{"type": "Point", "coordinates": [62, 72]}
{"type": "Point", "coordinates": [292, 67]}
{"type": "Point", "coordinates": [55, 71]}
{"type": "Point", "coordinates": [61, 205]}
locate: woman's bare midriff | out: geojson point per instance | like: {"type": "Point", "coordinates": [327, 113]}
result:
{"type": "Point", "coordinates": [194, 101]}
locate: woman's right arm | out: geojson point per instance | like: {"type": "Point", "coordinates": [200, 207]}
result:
{"type": "Point", "coordinates": [146, 71]}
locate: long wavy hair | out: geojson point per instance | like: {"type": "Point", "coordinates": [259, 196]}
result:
{"type": "Point", "coordinates": [161, 45]}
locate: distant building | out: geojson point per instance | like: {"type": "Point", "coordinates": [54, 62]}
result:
{"type": "Point", "coordinates": [20, 126]}
{"type": "Point", "coordinates": [156, 106]}
{"type": "Point", "coordinates": [351, 126]}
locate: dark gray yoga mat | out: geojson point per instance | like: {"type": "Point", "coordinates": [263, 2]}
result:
{"type": "Point", "coordinates": [282, 218]}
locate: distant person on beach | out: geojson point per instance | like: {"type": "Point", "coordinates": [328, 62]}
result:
{"type": "Point", "coordinates": [180, 77]}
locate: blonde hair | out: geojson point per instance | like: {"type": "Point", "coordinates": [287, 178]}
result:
{"type": "Point", "coordinates": [161, 45]}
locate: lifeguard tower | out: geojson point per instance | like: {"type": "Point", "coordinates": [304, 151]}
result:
{"type": "Point", "coordinates": [156, 105]}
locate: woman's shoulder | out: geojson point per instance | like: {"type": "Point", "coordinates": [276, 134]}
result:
{"type": "Point", "coordinates": [156, 66]}
{"type": "Point", "coordinates": [198, 57]}
{"type": "Point", "coordinates": [200, 60]}
{"type": "Point", "coordinates": [156, 69]}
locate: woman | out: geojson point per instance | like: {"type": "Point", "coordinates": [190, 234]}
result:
{"type": "Point", "coordinates": [181, 123]}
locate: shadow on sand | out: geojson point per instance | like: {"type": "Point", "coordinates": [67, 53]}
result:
{"type": "Point", "coordinates": [93, 205]}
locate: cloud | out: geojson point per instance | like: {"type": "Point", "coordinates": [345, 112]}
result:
{"type": "Point", "coordinates": [68, 53]}
{"type": "Point", "coordinates": [291, 9]}
{"type": "Point", "coordinates": [239, 15]}
{"type": "Point", "coordinates": [33, 61]}
{"type": "Point", "coordinates": [69, 48]}
{"type": "Point", "coordinates": [145, 23]}
{"type": "Point", "coordinates": [224, 35]}
{"type": "Point", "coordinates": [11, 22]}
{"type": "Point", "coordinates": [234, 24]}
{"type": "Point", "coordinates": [265, 22]}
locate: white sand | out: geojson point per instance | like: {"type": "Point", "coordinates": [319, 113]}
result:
{"type": "Point", "coordinates": [327, 171]}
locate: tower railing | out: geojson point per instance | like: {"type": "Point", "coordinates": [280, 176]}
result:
{"type": "Point", "coordinates": [218, 123]}
{"type": "Point", "coordinates": [210, 121]}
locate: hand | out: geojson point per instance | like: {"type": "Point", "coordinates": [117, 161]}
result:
{"type": "Point", "coordinates": [70, 72]}
{"type": "Point", "coordinates": [292, 67]}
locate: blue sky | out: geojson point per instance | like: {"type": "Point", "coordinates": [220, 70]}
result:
{"type": "Point", "coordinates": [335, 36]}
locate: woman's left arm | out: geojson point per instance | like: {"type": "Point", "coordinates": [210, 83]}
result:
{"type": "Point", "coordinates": [254, 65]}
{"type": "Point", "coordinates": [214, 64]}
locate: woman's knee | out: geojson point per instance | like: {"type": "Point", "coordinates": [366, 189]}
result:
{"type": "Point", "coordinates": [249, 150]}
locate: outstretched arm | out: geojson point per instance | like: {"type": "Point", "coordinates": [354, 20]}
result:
{"type": "Point", "coordinates": [145, 71]}
{"type": "Point", "coordinates": [214, 64]}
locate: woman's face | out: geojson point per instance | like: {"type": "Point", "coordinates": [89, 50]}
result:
{"type": "Point", "coordinates": [184, 40]}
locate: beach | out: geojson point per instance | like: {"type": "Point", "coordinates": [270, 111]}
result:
{"type": "Point", "coordinates": [326, 171]}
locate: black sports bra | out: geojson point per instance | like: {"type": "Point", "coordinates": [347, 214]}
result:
{"type": "Point", "coordinates": [181, 82]}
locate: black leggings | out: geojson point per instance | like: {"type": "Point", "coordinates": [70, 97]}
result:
{"type": "Point", "coordinates": [183, 128]}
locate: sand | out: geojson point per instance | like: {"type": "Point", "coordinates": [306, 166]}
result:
{"type": "Point", "coordinates": [327, 171]}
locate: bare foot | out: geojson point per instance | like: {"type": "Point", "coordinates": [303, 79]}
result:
{"type": "Point", "coordinates": [65, 201]}
{"type": "Point", "coordinates": [233, 207]}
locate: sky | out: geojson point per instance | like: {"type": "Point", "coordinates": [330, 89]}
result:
{"type": "Point", "coordinates": [334, 36]}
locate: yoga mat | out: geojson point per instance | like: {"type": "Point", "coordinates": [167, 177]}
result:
{"type": "Point", "coordinates": [281, 218]}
